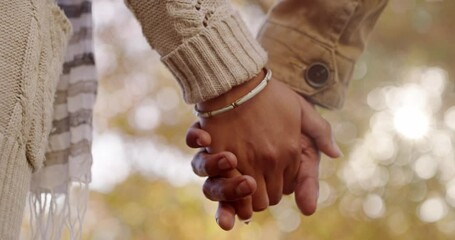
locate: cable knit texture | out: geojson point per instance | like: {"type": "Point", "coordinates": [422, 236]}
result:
{"type": "Point", "coordinates": [204, 43]}
{"type": "Point", "coordinates": [33, 36]}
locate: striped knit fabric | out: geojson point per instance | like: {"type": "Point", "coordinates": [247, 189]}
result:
{"type": "Point", "coordinates": [68, 157]}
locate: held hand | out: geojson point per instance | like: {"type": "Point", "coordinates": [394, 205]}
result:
{"type": "Point", "coordinates": [232, 193]}
{"type": "Point", "coordinates": [228, 190]}
{"type": "Point", "coordinates": [264, 135]}
{"type": "Point", "coordinates": [307, 186]}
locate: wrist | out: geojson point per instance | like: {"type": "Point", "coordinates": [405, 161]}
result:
{"type": "Point", "coordinates": [232, 95]}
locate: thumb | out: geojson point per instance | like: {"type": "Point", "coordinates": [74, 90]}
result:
{"type": "Point", "coordinates": [307, 180]}
{"type": "Point", "coordinates": [316, 127]}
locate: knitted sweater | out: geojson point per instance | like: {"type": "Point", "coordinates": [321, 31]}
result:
{"type": "Point", "coordinates": [205, 44]}
{"type": "Point", "coordinates": [33, 36]}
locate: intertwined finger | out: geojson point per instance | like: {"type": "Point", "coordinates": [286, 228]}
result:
{"type": "Point", "coordinates": [229, 189]}
{"type": "Point", "coordinates": [289, 177]}
{"type": "Point", "coordinates": [260, 196]}
{"type": "Point", "coordinates": [244, 208]}
{"type": "Point", "coordinates": [213, 165]}
{"type": "Point", "coordinates": [307, 182]}
{"type": "Point", "coordinates": [225, 215]}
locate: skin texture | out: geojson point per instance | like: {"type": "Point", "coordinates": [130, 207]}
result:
{"type": "Point", "coordinates": [226, 189]}
{"type": "Point", "coordinates": [263, 134]}
{"type": "Point", "coordinates": [281, 153]}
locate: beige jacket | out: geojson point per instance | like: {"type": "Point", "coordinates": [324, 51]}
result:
{"type": "Point", "coordinates": [312, 44]}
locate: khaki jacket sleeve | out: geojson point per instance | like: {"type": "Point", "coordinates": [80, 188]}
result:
{"type": "Point", "coordinates": [313, 45]}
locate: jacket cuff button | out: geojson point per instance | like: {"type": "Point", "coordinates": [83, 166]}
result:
{"type": "Point", "coordinates": [317, 74]}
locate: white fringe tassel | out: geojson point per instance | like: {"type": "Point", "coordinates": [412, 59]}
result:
{"type": "Point", "coordinates": [52, 212]}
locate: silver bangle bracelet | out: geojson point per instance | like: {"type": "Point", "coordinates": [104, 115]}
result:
{"type": "Point", "coordinates": [239, 101]}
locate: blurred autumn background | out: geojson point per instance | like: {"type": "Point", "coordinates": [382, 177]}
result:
{"type": "Point", "coordinates": [397, 131]}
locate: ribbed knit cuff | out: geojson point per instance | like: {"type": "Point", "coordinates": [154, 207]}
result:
{"type": "Point", "coordinates": [222, 56]}
{"type": "Point", "coordinates": [15, 175]}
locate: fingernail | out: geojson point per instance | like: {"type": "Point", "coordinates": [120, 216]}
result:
{"type": "Point", "coordinates": [199, 142]}
{"type": "Point", "coordinates": [217, 220]}
{"type": "Point", "coordinates": [243, 188]}
{"type": "Point", "coordinates": [224, 164]}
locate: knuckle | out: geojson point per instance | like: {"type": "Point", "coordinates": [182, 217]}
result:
{"type": "Point", "coordinates": [207, 189]}
{"type": "Point", "coordinates": [294, 149]}
{"type": "Point", "coordinates": [198, 164]}
{"type": "Point", "coordinates": [271, 155]}
{"type": "Point", "coordinates": [212, 191]}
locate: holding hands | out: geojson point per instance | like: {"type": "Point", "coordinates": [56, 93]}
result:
{"type": "Point", "coordinates": [254, 153]}
{"type": "Point", "coordinates": [270, 145]}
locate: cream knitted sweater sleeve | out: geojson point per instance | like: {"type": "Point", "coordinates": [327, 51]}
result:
{"type": "Point", "coordinates": [33, 36]}
{"type": "Point", "coordinates": [204, 43]}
